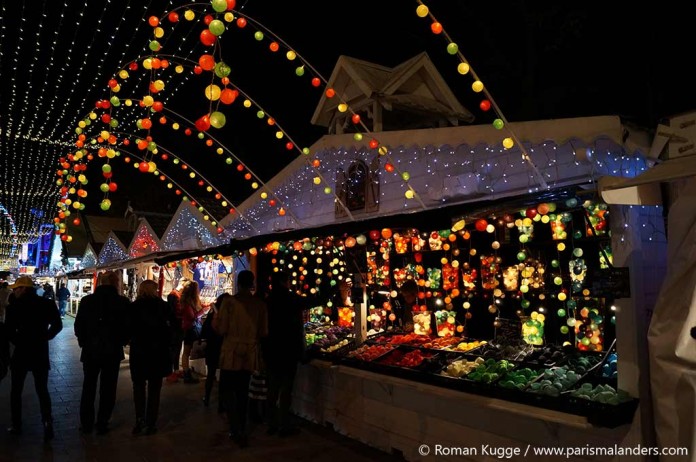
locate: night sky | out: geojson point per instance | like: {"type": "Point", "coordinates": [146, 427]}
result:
{"type": "Point", "coordinates": [538, 59]}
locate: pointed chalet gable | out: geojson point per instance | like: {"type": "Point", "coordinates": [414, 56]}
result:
{"type": "Point", "coordinates": [145, 241]}
{"type": "Point", "coordinates": [188, 230]}
{"type": "Point", "coordinates": [89, 259]}
{"type": "Point", "coordinates": [113, 250]}
{"type": "Point", "coordinates": [413, 93]}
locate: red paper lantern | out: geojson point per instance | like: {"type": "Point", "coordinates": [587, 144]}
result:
{"type": "Point", "coordinates": [531, 212]}
{"type": "Point", "coordinates": [316, 82]}
{"type": "Point", "coordinates": [231, 4]}
{"type": "Point", "coordinates": [203, 124]}
{"type": "Point", "coordinates": [355, 119]}
{"type": "Point", "coordinates": [374, 235]}
{"type": "Point", "coordinates": [144, 167]}
{"type": "Point", "coordinates": [207, 62]}
{"type": "Point", "coordinates": [485, 105]}
{"type": "Point", "coordinates": [481, 224]}
{"type": "Point", "coordinates": [207, 38]}
{"type": "Point", "coordinates": [173, 17]}
{"type": "Point", "coordinates": [241, 23]}
{"type": "Point", "coordinates": [153, 21]}
{"type": "Point", "coordinates": [113, 187]}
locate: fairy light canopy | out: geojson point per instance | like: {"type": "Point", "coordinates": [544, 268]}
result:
{"type": "Point", "coordinates": [188, 230]}
{"type": "Point", "coordinates": [57, 59]}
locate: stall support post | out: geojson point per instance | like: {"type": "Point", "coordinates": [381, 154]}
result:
{"type": "Point", "coordinates": [632, 314]}
{"type": "Point", "coordinates": [360, 319]}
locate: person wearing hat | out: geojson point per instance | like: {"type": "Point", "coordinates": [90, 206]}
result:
{"type": "Point", "coordinates": [30, 321]}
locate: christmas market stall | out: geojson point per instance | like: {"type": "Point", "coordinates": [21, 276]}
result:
{"type": "Point", "coordinates": [523, 296]}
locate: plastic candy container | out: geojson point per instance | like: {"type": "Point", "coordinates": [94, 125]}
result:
{"type": "Point", "coordinates": [490, 266]}
{"type": "Point", "coordinates": [434, 278]}
{"type": "Point", "coordinates": [510, 278]}
{"type": "Point", "coordinates": [445, 321]}
{"type": "Point", "coordinates": [450, 277]}
{"type": "Point", "coordinates": [533, 329]}
{"type": "Point", "coordinates": [421, 323]}
{"type": "Point", "coordinates": [401, 243]}
{"type": "Point", "coordinates": [345, 316]}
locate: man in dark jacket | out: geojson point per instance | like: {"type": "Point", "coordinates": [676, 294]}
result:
{"type": "Point", "coordinates": [31, 321]}
{"type": "Point", "coordinates": [285, 347]}
{"type": "Point", "coordinates": [101, 328]}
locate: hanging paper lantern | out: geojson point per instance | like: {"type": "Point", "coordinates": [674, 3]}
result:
{"type": "Point", "coordinates": [422, 11]}
{"type": "Point", "coordinates": [217, 119]}
{"type": "Point", "coordinates": [219, 5]}
{"type": "Point", "coordinates": [481, 224]}
{"type": "Point", "coordinates": [222, 70]}
{"type": "Point", "coordinates": [203, 124]}
{"type": "Point", "coordinates": [207, 38]}
{"type": "Point", "coordinates": [216, 27]}
{"type": "Point", "coordinates": [485, 105]}
{"type": "Point", "coordinates": [231, 4]}
{"type": "Point", "coordinates": [105, 204]}
{"type": "Point", "coordinates": [212, 92]}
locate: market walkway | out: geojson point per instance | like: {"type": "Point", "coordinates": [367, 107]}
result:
{"type": "Point", "coordinates": [187, 430]}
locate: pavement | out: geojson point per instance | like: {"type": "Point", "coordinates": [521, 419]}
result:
{"type": "Point", "coordinates": [187, 431]}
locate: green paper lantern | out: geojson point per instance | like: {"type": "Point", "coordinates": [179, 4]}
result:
{"type": "Point", "coordinates": [216, 27]}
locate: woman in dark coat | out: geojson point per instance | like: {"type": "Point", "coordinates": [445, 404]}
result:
{"type": "Point", "coordinates": [212, 350]}
{"type": "Point", "coordinates": [150, 358]}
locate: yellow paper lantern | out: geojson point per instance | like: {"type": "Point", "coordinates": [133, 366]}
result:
{"type": "Point", "coordinates": [409, 194]}
{"type": "Point", "coordinates": [189, 15]}
{"type": "Point", "coordinates": [247, 103]}
{"type": "Point", "coordinates": [179, 69]}
{"type": "Point", "coordinates": [508, 143]}
{"type": "Point", "coordinates": [477, 86]}
{"type": "Point", "coordinates": [422, 11]}
{"type": "Point", "coordinates": [291, 55]}
{"type": "Point", "coordinates": [343, 107]}
{"type": "Point", "coordinates": [463, 68]}
{"type": "Point", "coordinates": [212, 92]}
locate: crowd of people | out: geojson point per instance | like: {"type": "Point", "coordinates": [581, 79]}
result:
{"type": "Point", "coordinates": [256, 343]}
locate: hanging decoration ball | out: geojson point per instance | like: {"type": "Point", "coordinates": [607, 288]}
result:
{"type": "Point", "coordinates": [495, 245]}
{"type": "Point", "coordinates": [212, 92]}
{"type": "Point", "coordinates": [227, 96]}
{"type": "Point", "coordinates": [386, 233]}
{"type": "Point", "coordinates": [229, 17]}
{"type": "Point", "coordinates": [173, 17]}
{"type": "Point", "coordinates": [274, 46]}
{"type": "Point", "coordinates": [558, 280]}
{"type": "Point", "coordinates": [219, 6]}
{"type": "Point", "coordinates": [299, 71]}
{"type": "Point", "coordinates": [561, 246]}
{"type": "Point", "coordinates": [577, 252]}
{"type": "Point", "coordinates": [508, 143]}
{"type": "Point", "coordinates": [477, 86]}
{"type": "Point", "coordinates": [113, 187]}
{"type": "Point", "coordinates": [105, 204]}
{"type": "Point", "coordinates": [218, 119]}
{"type": "Point", "coordinates": [562, 296]}
{"type": "Point", "coordinates": [241, 23]}
{"type": "Point", "coordinates": [485, 105]}
{"type": "Point", "coordinates": [216, 27]}
{"type": "Point", "coordinates": [342, 107]}
{"type": "Point", "coordinates": [571, 203]}
{"type": "Point", "coordinates": [327, 190]}
{"type": "Point", "coordinates": [207, 62]}
{"type": "Point", "coordinates": [143, 167]}
{"type": "Point", "coordinates": [564, 330]}
{"type": "Point", "coordinates": [490, 229]}
{"type": "Point", "coordinates": [153, 21]}
{"type": "Point", "coordinates": [481, 224]}
{"type": "Point", "coordinates": [409, 194]}
{"type": "Point", "coordinates": [104, 187]}
{"type": "Point", "coordinates": [389, 167]}
{"type": "Point", "coordinates": [422, 11]}
{"type": "Point", "coordinates": [106, 168]}
{"type": "Point", "coordinates": [203, 123]}
{"type": "Point", "coordinates": [436, 28]}
{"type": "Point", "coordinates": [521, 256]}
{"type": "Point", "coordinates": [155, 46]}
{"type": "Point", "coordinates": [231, 4]}
{"type": "Point", "coordinates": [452, 48]}
{"type": "Point", "coordinates": [498, 124]}
{"type": "Point", "coordinates": [258, 35]}
{"type": "Point", "coordinates": [317, 180]}
{"type": "Point", "coordinates": [207, 38]}
{"type": "Point", "coordinates": [222, 70]}
{"type": "Point", "coordinates": [405, 176]}
{"type": "Point", "coordinates": [189, 15]}
{"type": "Point", "coordinates": [291, 55]}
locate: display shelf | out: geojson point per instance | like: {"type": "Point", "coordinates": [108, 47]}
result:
{"type": "Point", "coordinates": [599, 413]}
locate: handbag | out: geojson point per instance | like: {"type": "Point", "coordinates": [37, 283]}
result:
{"type": "Point", "coordinates": [198, 349]}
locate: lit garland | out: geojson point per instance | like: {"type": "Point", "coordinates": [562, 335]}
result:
{"type": "Point", "coordinates": [144, 242]}
{"type": "Point", "coordinates": [492, 171]}
{"type": "Point", "coordinates": [89, 259]}
{"type": "Point", "coordinates": [477, 86]}
{"type": "Point", "coordinates": [113, 251]}
{"type": "Point", "coordinates": [187, 226]}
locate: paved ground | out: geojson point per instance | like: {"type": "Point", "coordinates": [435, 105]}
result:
{"type": "Point", "coordinates": [187, 430]}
